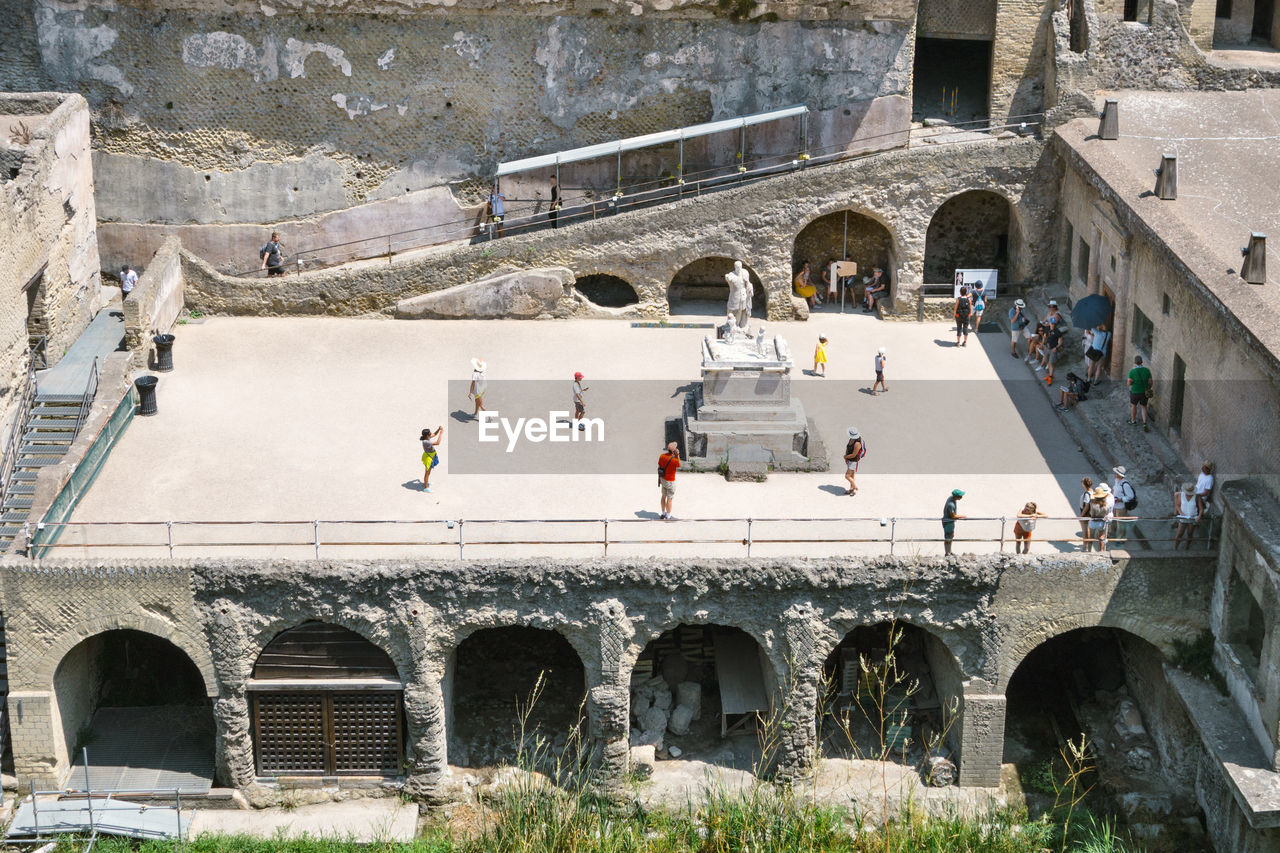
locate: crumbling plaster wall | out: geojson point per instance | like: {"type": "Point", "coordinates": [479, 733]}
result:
{"type": "Point", "coordinates": [271, 113]}
{"type": "Point", "coordinates": [50, 224]}
{"type": "Point", "coordinates": [757, 223]}
{"type": "Point", "coordinates": [989, 612]}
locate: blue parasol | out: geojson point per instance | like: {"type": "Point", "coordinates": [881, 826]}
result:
{"type": "Point", "coordinates": [1092, 310]}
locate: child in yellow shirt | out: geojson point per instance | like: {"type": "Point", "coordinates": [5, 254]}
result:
{"type": "Point", "coordinates": [820, 358]}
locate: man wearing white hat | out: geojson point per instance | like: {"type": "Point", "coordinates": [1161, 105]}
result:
{"type": "Point", "coordinates": [1126, 501]}
{"type": "Point", "coordinates": [479, 384]}
{"type": "Point", "coordinates": [881, 360]}
{"type": "Point", "coordinates": [1017, 322]}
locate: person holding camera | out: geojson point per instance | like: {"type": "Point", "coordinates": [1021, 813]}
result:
{"type": "Point", "coordinates": [668, 464]}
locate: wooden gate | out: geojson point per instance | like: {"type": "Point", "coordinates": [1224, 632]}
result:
{"type": "Point", "coordinates": [329, 734]}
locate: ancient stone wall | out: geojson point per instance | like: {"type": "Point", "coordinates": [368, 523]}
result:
{"type": "Point", "coordinates": [47, 237]}
{"type": "Point", "coordinates": [757, 223]}
{"type": "Point", "coordinates": [281, 112]}
{"type": "Point", "coordinates": [988, 613]}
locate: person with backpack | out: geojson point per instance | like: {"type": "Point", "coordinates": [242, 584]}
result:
{"type": "Point", "coordinates": [1096, 513]}
{"type": "Point", "coordinates": [1073, 393]}
{"type": "Point", "coordinates": [964, 306]}
{"type": "Point", "coordinates": [1126, 500]}
{"type": "Point", "coordinates": [853, 453]}
{"type": "Point", "coordinates": [668, 464]}
{"type": "Point", "coordinates": [272, 255]}
{"type": "Point", "coordinates": [979, 305]}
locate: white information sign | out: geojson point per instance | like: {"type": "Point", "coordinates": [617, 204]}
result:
{"type": "Point", "coordinates": [985, 279]}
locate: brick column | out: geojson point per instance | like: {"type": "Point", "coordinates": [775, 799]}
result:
{"type": "Point", "coordinates": [981, 740]}
{"type": "Point", "coordinates": [609, 696]}
{"type": "Point", "coordinates": [798, 734]}
{"type": "Point", "coordinates": [35, 753]}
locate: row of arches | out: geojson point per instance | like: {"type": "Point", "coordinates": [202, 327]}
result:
{"type": "Point", "coordinates": [972, 230]}
{"type": "Point", "coordinates": [324, 700]}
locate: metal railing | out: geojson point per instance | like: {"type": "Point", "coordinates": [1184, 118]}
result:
{"type": "Point", "coordinates": [481, 538]}
{"type": "Point", "coordinates": [86, 400]}
{"type": "Point", "coordinates": [38, 346]}
{"type": "Point", "coordinates": [630, 194]}
{"type": "Point", "coordinates": [13, 444]}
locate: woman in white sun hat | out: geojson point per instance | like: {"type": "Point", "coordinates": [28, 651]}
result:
{"type": "Point", "coordinates": [479, 384]}
{"type": "Point", "coordinates": [853, 453]}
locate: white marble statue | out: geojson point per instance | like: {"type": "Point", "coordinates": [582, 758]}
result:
{"type": "Point", "coordinates": [760, 340]}
{"type": "Point", "coordinates": [732, 332]}
{"type": "Point", "coordinates": [739, 295]}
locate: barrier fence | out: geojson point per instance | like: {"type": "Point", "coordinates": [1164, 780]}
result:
{"type": "Point", "coordinates": [526, 215]}
{"type": "Point", "coordinates": [577, 537]}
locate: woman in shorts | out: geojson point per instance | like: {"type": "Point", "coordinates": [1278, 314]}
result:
{"type": "Point", "coordinates": [853, 453]}
{"type": "Point", "coordinates": [1025, 524]}
{"type": "Point", "coordinates": [1097, 513]}
{"type": "Point", "coordinates": [1186, 513]}
{"type": "Point", "coordinates": [430, 455]}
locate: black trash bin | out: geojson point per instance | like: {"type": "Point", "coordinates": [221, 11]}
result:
{"type": "Point", "coordinates": [164, 353]}
{"type": "Point", "coordinates": [146, 386]}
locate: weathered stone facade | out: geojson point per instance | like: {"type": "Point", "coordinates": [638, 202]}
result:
{"type": "Point", "coordinates": [49, 269]}
{"type": "Point", "coordinates": [989, 613]}
{"type": "Point", "coordinates": [758, 223]}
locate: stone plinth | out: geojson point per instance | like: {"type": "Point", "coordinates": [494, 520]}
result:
{"type": "Point", "coordinates": [745, 400]}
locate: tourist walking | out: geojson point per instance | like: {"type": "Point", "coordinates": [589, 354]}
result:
{"type": "Point", "coordinates": [1140, 382]}
{"type": "Point", "coordinates": [1018, 321]}
{"type": "Point", "coordinates": [1050, 351]}
{"type": "Point", "coordinates": [979, 306]}
{"type": "Point", "coordinates": [949, 516]}
{"type": "Point", "coordinates": [128, 279]}
{"type": "Point", "coordinates": [1186, 511]}
{"type": "Point", "coordinates": [554, 211]}
{"type": "Point", "coordinates": [853, 453]}
{"type": "Point", "coordinates": [272, 255]}
{"type": "Point", "coordinates": [479, 384]}
{"type": "Point", "coordinates": [1096, 512]}
{"type": "Point", "coordinates": [820, 357]}
{"type": "Point", "coordinates": [881, 360]}
{"type": "Point", "coordinates": [579, 403]}
{"type": "Point", "coordinates": [430, 453]}
{"type": "Point", "coordinates": [964, 305]}
{"type": "Point", "coordinates": [497, 209]}
{"type": "Point", "coordinates": [1025, 524]}
{"type": "Point", "coordinates": [668, 464]}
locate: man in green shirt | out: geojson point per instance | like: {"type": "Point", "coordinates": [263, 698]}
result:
{"type": "Point", "coordinates": [1139, 388]}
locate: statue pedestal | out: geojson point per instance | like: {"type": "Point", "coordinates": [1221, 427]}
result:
{"type": "Point", "coordinates": [745, 401]}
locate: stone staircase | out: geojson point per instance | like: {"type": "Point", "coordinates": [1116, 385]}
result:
{"type": "Point", "coordinates": [48, 430]}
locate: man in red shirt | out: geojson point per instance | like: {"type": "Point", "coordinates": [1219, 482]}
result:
{"type": "Point", "coordinates": [668, 463]}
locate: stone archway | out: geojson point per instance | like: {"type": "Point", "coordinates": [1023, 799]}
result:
{"type": "Point", "coordinates": [136, 705]}
{"type": "Point", "coordinates": [845, 234]}
{"type": "Point", "coordinates": [892, 690]}
{"type": "Point", "coordinates": [699, 288]}
{"type": "Point", "coordinates": [507, 689]}
{"type": "Point", "coordinates": [607, 291]}
{"type": "Point", "coordinates": [972, 230]}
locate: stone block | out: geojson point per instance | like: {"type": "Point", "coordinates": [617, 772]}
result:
{"type": "Point", "coordinates": [521, 295]}
{"type": "Point", "coordinates": [749, 462]}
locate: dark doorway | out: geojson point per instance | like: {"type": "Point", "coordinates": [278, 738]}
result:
{"type": "Point", "coordinates": [1178, 396]}
{"type": "Point", "coordinates": [515, 696]}
{"type": "Point", "coordinates": [607, 291]}
{"type": "Point", "coordinates": [326, 701]}
{"type": "Point", "coordinates": [1264, 12]}
{"type": "Point", "coordinates": [138, 706]}
{"type": "Point", "coordinates": [951, 80]}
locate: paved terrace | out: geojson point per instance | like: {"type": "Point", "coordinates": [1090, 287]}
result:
{"type": "Point", "coordinates": [302, 419]}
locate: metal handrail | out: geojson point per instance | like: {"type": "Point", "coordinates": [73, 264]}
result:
{"type": "Point", "coordinates": [313, 540]}
{"type": "Point", "coordinates": [86, 400]}
{"type": "Point", "coordinates": [37, 345]}
{"type": "Point", "coordinates": [14, 442]}
{"type": "Point", "coordinates": [638, 194]}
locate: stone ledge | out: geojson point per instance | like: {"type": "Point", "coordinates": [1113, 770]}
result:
{"type": "Point", "coordinates": [1228, 740]}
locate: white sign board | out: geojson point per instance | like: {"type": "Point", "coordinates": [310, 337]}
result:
{"type": "Point", "coordinates": [985, 279]}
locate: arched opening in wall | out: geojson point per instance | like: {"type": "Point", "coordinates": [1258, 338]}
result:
{"type": "Point", "coordinates": [951, 75]}
{"type": "Point", "coordinates": [699, 288]}
{"type": "Point", "coordinates": [893, 692]}
{"type": "Point", "coordinates": [845, 235]}
{"type": "Point", "coordinates": [607, 291]}
{"type": "Point", "coordinates": [972, 230]}
{"type": "Point", "coordinates": [138, 706]}
{"type": "Point", "coordinates": [704, 693]}
{"type": "Point", "coordinates": [326, 702]}
{"type": "Point", "coordinates": [506, 689]}
{"type": "Point", "coordinates": [1107, 686]}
